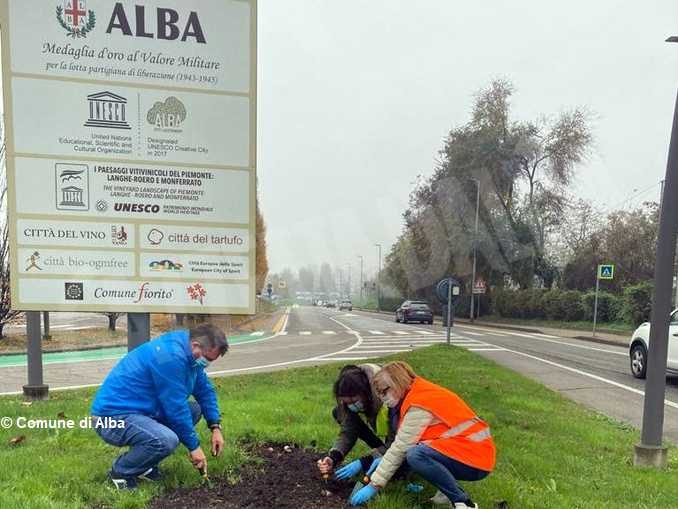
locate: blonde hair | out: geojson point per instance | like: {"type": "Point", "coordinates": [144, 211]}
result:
{"type": "Point", "coordinates": [396, 375]}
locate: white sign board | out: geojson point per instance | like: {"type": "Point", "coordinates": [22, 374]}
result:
{"type": "Point", "coordinates": [131, 154]}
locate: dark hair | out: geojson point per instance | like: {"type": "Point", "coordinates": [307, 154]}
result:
{"type": "Point", "coordinates": [352, 382]}
{"type": "Point", "coordinates": [209, 336]}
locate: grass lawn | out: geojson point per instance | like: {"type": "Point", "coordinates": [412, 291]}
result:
{"type": "Point", "coordinates": [552, 452]}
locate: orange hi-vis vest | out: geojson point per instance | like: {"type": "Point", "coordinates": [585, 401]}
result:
{"type": "Point", "coordinates": [461, 435]}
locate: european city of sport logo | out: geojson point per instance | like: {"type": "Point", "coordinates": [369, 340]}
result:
{"type": "Point", "coordinates": [74, 17]}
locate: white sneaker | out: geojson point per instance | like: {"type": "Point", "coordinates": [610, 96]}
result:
{"type": "Point", "coordinates": [440, 499]}
{"type": "Point", "coordinates": [465, 505]}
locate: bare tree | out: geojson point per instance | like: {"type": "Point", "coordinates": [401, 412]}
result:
{"type": "Point", "coordinates": [112, 320]}
{"type": "Point", "coordinates": [6, 311]}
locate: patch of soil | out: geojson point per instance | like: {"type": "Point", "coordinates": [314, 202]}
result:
{"type": "Point", "coordinates": [288, 479]}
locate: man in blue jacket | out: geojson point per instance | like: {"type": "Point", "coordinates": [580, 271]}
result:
{"type": "Point", "coordinates": [148, 391]}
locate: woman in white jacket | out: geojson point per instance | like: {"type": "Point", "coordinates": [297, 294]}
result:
{"type": "Point", "coordinates": [439, 435]}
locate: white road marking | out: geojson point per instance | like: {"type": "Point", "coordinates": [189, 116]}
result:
{"type": "Point", "coordinates": [376, 332]}
{"type": "Point", "coordinates": [258, 333]}
{"type": "Point", "coordinates": [546, 336]}
{"type": "Point", "coordinates": [390, 350]}
{"type": "Point", "coordinates": [401, 332]}
{"type": "Point", "coordinates": [586, 374]}
{"type": "Point", "coordinates": [486, 349]}
{"type": "Point", "coordinates": [328, 332]}
{"type": "Point", "coordinates": [427, 332]}
{"type": "Point", "coordinates": [283, 333]}
{"type": "Point", "coordinates": [564, 343]}
{"type": "Point", "coordinates": [304, 333]}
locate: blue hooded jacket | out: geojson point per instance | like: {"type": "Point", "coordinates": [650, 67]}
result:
{"type": "Point", "coordinates": [156, 380]}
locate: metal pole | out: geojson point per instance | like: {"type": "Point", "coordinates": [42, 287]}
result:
{"type": "Point", "coordinates": [475, 241]}
{"type": "Point", "coordinates": [349, 281]}
{"type": "Point", "coordinates": [35, 389]}
{"type": "Point", "coordinates": [650, 451]}
{"type": "Point", "coordinates": [449, 310]}
{"type": "Point", "coordinates": [361, 279]}
{"type": "Point", "coordinates": [138, 329]}
{"type": "Point", "coordinates": [379, 280]}
{"type": "Point", "coordinates": [45, 326]}
{"type": "Point", "coordinates": [595, 304]}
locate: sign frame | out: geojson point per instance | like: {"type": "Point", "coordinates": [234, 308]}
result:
{"type": "Point", "coordinates": [249, 303]}
{"type": "Point", "coordinates": [601, 269]}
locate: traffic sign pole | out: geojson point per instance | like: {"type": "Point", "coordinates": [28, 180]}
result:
{"type": "Point", "coordinates": [595, 305]}
{"type": "Point", "coordinates": [449, 310]}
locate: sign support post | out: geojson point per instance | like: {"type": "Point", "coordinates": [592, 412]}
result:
{"type": "Point", "coordinates": [35, 389]}
{"type": "Point", "coordinates": [138, 329]}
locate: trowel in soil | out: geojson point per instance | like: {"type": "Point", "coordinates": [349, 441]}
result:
{"type": "Point", "coordinates": [359, 485]}
{"type": "Point", "coordinates": [205, 478]}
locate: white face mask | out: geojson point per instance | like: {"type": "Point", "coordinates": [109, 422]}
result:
{"type": "Point", "coordinates": [390, 401]}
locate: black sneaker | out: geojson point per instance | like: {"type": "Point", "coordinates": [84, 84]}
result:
{"type": "Point", "coordinates": [122, 482]}
{"type": "Point", "coordinates": [152, 474]}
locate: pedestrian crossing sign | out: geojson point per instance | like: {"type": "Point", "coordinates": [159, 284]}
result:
{"type": "Point", "coordinates": [606, 271]}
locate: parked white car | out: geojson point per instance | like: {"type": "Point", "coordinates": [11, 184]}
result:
{"type": "Point", "coordinates": [640, 340]}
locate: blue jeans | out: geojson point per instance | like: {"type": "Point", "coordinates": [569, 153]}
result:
{"type": "Point", "coordinates": [149, 441]}
{"type": "Point", "coordinates": [442, 471]}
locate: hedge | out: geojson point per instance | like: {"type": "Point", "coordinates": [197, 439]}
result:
{"type": "Point", "coordinates": [633, 306]}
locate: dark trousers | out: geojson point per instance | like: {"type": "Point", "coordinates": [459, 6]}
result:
{"type": "Point", "coordinates": [442, 471]}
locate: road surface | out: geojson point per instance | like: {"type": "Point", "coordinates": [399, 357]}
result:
{"type": "Point", "coordinates": [595, 375]}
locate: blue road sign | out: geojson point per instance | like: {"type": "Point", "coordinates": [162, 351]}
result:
{"type": "Point", "coordinates": [606, 271]}
{"type": "Point", "coordinates": [442, 289]}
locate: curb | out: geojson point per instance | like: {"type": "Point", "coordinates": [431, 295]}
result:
{"type": "Point", "coordinates": [63, 350]}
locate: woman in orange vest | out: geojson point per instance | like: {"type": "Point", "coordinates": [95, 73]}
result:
{"type": "Point", "coordinates": [439, 436]}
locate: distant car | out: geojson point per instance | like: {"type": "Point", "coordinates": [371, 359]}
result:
{"type": "Point", "coordinates": [414, 311]}
{"type": "Point", "coordinates": [331, 304]}
{"type": "Point", "coordinates": [640, 342]}
{"type": "Point", "coordinates": [345, 304]}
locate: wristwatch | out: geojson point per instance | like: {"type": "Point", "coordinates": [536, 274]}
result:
{"type": "Point", "coordinates": [215, 426]}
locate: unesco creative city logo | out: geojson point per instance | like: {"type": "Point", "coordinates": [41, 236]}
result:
{"type": "Point", "coordinates": [74, 17]}
{"type": "Point", "coordinates": [167, 115]}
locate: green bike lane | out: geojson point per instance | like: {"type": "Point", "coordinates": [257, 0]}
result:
{"type": "Point", "coordinates": [101, 354]}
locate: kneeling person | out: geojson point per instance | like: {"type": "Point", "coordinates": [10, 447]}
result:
{"type": "Point", "coordinates": [149, 390]}
{"type": "Point", "coordinates": [439, 436]}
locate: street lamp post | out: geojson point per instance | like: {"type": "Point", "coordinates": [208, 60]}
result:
{"type": "Point", "coordinates": [650, 451]}
{"type": "Point", "coordinates": [475, 250]}
{"type": "Point", "coordinates": [379, 280]}
{"type": "Point", "coordinates": [348, 265]}
{"type": "Point", "coordinates": [361, 278]}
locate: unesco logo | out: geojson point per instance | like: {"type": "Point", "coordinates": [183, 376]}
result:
{"type": "Point", "coordinates": [73, 291]}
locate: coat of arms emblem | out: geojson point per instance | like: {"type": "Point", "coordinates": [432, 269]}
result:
{"type": "Point", "coordinates": [74, 17]}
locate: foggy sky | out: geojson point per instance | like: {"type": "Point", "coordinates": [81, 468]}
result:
{"type": "Point", "coordinates": [356, 97]}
